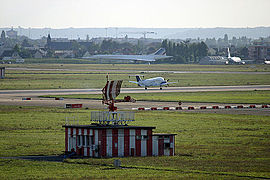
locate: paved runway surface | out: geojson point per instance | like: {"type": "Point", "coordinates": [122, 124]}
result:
{"type": "Point", "coordinates": [134, 90]}
{"type": "Point", "coordinates": [14, 97]}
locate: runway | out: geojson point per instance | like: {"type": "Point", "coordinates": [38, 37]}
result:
{"type": "Point", "coordinates": [133, 90]}
{"type": "Point", "coordinates": [14, 97]}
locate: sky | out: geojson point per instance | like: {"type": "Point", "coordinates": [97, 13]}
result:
{"type": "Point", "coordinates": [134, 13]}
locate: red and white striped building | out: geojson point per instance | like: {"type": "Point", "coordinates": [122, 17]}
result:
{"type": "Point", "coordinates": [98, 140]}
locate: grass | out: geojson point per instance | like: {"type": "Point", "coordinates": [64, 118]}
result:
{"type": "Point", "coordinates": [76, 64]}
{"type": "Point", "coordinates": [207, 146]}
{"type": "Point", "coordinates": [254, 97]}
{"type": "Point", "coordinates": [21, 79]}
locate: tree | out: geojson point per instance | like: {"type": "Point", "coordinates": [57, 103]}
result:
{"type": "Point", "coordinates": [25, 43]}
{"type": "Point", "coordinates": [16, 48]}
{"type": "Point", "coordinates": [202, 50]}
{"type": "Point", "coordinates": [244, 52]}
{"type": "Point", "coordinates": [3, 36]}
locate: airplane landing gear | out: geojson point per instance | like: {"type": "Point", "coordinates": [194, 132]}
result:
{"type": "Point", "coordinates": [145, 88]}
{"type": "Point", "coordinates": [160, 88]}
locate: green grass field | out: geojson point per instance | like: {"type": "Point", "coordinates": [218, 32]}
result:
{"type": "Point", "coordinates": [72, 64]}
{"type": "Point", "coordinates": [215, 146]}
{"type": "Point", "coordinates": [19, 79]}
{"type": "Point", "coordinates": [255, 97]}
{"type": "Point", "coordinates": [208, 146]}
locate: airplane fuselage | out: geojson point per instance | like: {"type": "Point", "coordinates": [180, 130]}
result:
{"type": "Point", "coordinates": [157, 81]}
{"type": "Point", "coordinates": [149, 57]}
{"type": "Point", "coordinates": [235, 59]}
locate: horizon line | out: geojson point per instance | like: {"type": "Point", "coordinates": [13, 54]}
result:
{"type": "Point", "coordinates": [135, 27]}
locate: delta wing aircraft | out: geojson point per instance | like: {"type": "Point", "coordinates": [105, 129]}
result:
{"type": "Point", "coordinates": [159, 54]}
{"type": "Point", "coordinates": [156, 81]}
{"type": "Point", "coordinates": [233, 60]}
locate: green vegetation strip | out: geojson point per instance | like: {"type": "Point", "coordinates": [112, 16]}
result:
{"type": "Point", "coordinates": [254, 97]}
{"type": "Point", "coordinates": [77, 64]}
{"type": "Point", "coordinates": [215, 146]}
{"type": "Point", "coordinates": [88, 80]}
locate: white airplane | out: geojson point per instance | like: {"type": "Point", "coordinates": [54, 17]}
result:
{"type": "Point", "coordinates": [233, 60]}
{"type": "Point", "coordinates": [159, 54]}
{"type": "Point", "coordinates": [266, 62]}
{"type": "Point", "coordinates": [156, 81]}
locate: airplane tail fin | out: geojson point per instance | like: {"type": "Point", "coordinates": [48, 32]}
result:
{"type": "Point", "coordinates": [138, 78]}
{"type": "Point", "coordinates": [161, 51]}
{"type": "Point", "coordinates": [229, 54]}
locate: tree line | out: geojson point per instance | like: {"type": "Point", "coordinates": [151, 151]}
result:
{"type": "Point", "coordinates": [184, 52]}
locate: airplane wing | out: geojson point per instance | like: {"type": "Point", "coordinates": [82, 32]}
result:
{"type": "Point", "coordinates": [167, 83]}
{"type": "Point", "coordinates": [134, 82]}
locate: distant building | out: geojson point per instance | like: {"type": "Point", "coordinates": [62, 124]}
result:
{"type": "Point", "coordinates": [65, 47]}
{"type": "Point", "coordinates": [11, 55]}
{"type": "Point", "coordinates": [38, 55]}
{"type": "Point", "coordinates": [12, 34]}
{"type": "Point", "coordinates": [213, 60]}
{"type": "Point", "coordinates": [259, 52]}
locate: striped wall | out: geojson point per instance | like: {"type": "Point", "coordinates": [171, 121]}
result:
{"type": "Point", "coordinates": [117, 142]}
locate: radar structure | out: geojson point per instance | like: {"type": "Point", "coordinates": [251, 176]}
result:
{"type": "Point", "coordinates": [113, 117]}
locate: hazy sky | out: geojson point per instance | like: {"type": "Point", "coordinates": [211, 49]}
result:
{"type": "Point", "coordinates": [134, 13]}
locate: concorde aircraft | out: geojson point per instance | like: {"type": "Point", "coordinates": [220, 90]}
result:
{"type": "Point", "coordinates": [233, 60]}
{"type": "Point", "coordinates": [156, 81]}
{"type": "Point", "coordinates": [159, 54]}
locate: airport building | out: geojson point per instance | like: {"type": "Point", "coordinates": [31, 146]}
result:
{"type": "Point", "coordinates": [112, 137]}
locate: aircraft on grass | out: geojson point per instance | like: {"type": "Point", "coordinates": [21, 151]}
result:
{"type": "Point", "coordinates": [233, 60]}
{"type": "Point", "coordinates": [159, 54]}
{"type": "Point", "coordinates": [156, 81]}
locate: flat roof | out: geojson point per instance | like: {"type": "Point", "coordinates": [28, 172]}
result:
{"type": "Point", "coordinates": [108, 127]}
{"type": "Point", "coordinates": [163, 134]}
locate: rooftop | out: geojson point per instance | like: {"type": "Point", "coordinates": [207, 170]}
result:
{"type": "Point", "coordinates": [98, 126]}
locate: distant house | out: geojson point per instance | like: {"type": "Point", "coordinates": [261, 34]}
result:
{"type": "Point", "coordinates": [213, 60]}
{"type": "Point", "coordinates": [11, 55]}
{"type": "Point", "coordinates": [65, 48]}
{"type": "Point", "coordinates": [87, 54]}
{"type": "Point", "coordinates": [64, 53]}
{"type": "Point", "coordinates": [39, 53]}
{"type": "Point", "coordinates": [7, 55]}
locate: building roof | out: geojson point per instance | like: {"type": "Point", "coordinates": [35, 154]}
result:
{"type": "Point", "coordinates": [163, 134]}
{"type": "Point", "coordinates": [7, 53]}
{"type": "Point", "coordinates": [96, 126]}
